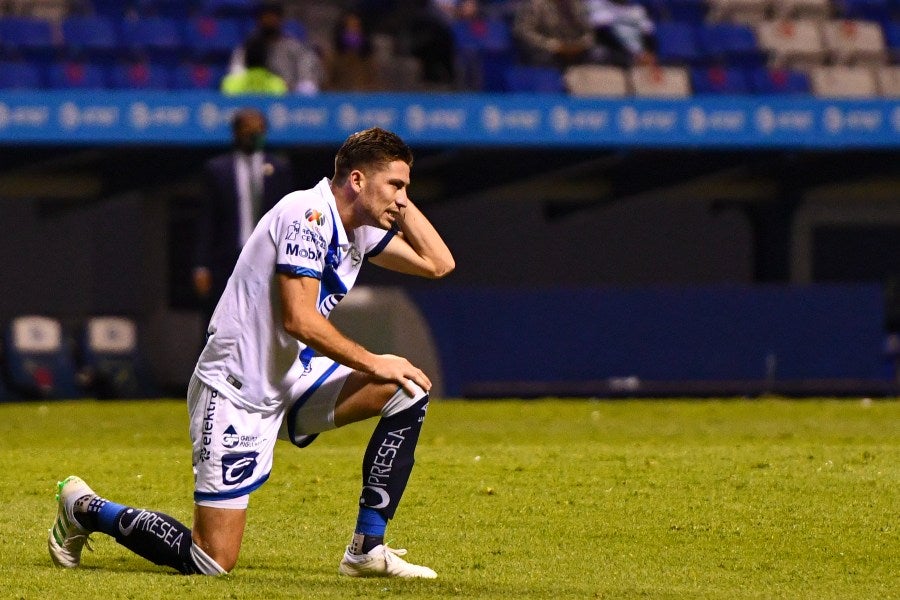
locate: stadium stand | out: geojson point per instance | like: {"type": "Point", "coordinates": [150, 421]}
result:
{"type": "Point", "coordinates": [172, 44]}
{"type": "Point", "coordinates": [38, 360]}
{"type": "Point", "coordinates": [889, 81]}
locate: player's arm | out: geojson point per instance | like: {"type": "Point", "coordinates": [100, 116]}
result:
{"type": "Point", "coordinates": [302, 320]}
{"type": "Point", "coordinates": [417, 249]}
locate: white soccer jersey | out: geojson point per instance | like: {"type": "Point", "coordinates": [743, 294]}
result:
{"type": "Point", "coordinates": [249, 357]}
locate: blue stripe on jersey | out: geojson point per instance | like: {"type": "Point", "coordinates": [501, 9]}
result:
{"type": "Point", "coordinates": [388, 236]}
{"type": "Point", "coordinates": [292, 413]}
{"type": "Point", "coordinates": [231, 493]}
{"type": "Point", "coordinates": [296, 271]}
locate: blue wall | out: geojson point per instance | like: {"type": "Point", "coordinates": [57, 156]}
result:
{"type": "Point", "coordinates": [713, 333]}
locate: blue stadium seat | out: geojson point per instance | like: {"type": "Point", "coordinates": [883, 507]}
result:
{"type": "Point", "coordinates": [20, 75]}
{"type": "Point", "coordinates": [211, 39]}
{"type": "Point", "coordinates": [730, 44]}
{"type": "Point", "coordinates": [867, 10]}
{"type": "Point", "coordinates": [764, 80]}
{"type": "Point", "coordinates": [892, 38]}
{"type": "Point", "coordinates": [73, 74]}
{"type": "Point", "coordinates": [174, 9]}
{"type": "Point", "coordinates": [27, 37]}
{"type": "Point", "coordinates": [485, 52]}
{"type": "Point", "coordinates": [38, 360]}
{"type": "Point", "coordinates": [688, 11]}
{"type": "Point", "coordinates": [111, 363]}
{"type": "Point", "coordinates": [231, 8]}
{"type": "Point", "coordinates": [542, 80]}
{"type": "Point", "coordinates": [156, 39]}
{"type": "Point", "coordinates": [719, 80]}
{"type": "Point", "coordinates": [198, 76]}
{"type": "Point", "coordinates": [90, 37]}
{"type": "Point", "coordinates": [140, 75]}
{"type": "Point", "coordinates": [677, 44]}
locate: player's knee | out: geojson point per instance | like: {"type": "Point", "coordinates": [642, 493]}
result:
{"type": "Point", "coordinates": [402, 400]}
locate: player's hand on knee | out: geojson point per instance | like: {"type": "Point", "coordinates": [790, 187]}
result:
{"type": "Point", "coordinates": [396, 368]}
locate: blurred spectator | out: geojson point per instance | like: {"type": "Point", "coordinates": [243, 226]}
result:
{"type": "Point", "coordinates": [421, 30]}
{"type": "Point", "coordinates": [294, 61]}
{"type": "Point", "coordinates": [351, 66]}
{"type": "Point", "coordinates": [554, 32]}
{"type": "Point", "coordinates": [255, 77]}
{"type": "Point", "coordinates": [624, 32]}
{"type": "Point", "coordinates": [241, 186]}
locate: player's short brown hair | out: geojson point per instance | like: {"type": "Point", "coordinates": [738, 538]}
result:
{"type": "Point", "coordinates": [368, 149]}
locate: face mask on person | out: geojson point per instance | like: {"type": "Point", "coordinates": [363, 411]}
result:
{"type": "Point", "coordinates": [352, 40]}
{"type": "Point", "coordinates": [251, 142]}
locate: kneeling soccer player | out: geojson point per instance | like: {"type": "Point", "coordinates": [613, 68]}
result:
{"type": "Point", "coordinates": [274, 367]}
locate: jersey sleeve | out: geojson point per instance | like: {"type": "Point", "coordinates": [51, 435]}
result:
{"type": "Point", "coordinates": [302, 232]}
{"type": "Point", "coordinates": [372, 240]}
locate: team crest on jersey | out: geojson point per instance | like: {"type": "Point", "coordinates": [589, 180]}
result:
{"type": "Point", "coordinates": [293, 230]}
{"type": "Point", "coordinates": [314, 216]}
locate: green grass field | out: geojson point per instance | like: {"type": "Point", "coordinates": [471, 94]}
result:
{"type": "Point", "coordinates": [514, 499]}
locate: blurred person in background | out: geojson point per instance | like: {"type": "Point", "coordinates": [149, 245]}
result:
{"type": "Point", "coordinates": [625, 34]}
{"type": "Point", "coordinates": [240, 187]}
{"type": "Point", "coordinates": [554, 33]}
{"type": "Point", "coordinates": [255, 77]}
{"type": "Point", "coordinates": [351, 65]}
{"type": "Point", "coordinates": [274, 367]}
{"type": "Point", "coordinates": [291, 59]}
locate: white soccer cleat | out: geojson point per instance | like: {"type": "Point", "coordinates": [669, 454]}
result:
{"type": "Point", "coordinates": [381, 561]}
{"type": "Point", "coordinates": [67, 538]}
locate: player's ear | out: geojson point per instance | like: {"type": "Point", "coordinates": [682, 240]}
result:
{"type": "Point", "coordinates": [357, 180]}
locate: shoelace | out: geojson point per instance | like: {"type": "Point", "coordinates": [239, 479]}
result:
{"type": "Point", "coordinates": [85, 541]}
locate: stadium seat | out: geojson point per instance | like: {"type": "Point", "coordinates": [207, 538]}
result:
{"type": "Point", "coordinates": [719, 80]}
{"type": "Point", "coordinates": [747, 12]}
{"type": "Point", "coordinates": [677, 44]}
{"type": "Point", "coordinates": [843, 81]}
{"type": "Point", "coordinates": [484, 52]}
{"type": "Point", "coordinates": [141, 75]}
{"type": "Point", "coordinates": [854, 42]}
{"type": "Point", "coordinates": [888, 81]}
{"type": "Point", "coordinates": [764, 80]}
{"type": "Point", "coordinates": [38, 360]}
{"type": "Point", "coordinates": [77, 75]}
{"type": "Point", "coordinates": [211, 39]}
{"type": "Point", "coordinates": [94, 38]}
{"type": "Point", "coordinates": [20, 75]}
{"type": "Point", "coordinates": [660, 82]}
{"type": "Point", "coordinates": [796, 43]}
{"type": "Point", "coordinates": [198, 76]}
{"type": "Point", "coordinates": [26, 37]}
{"type": "Point", "coordinates": [892, 40]}
{"type": "Point", "coordinates": [687, 11]}
{"type": "Point", "coordinates": [155, 39]}
{"type": "Point", "coordinates": [595, 81]}
{"type": "Point", "coordinates": [731, 44]}
{"type": "Point", "coordinates": [867, 10]}
{"type": "Point", "coordinates": [111, 363]}
{"type": "Point", "coordinates": [541, 80]}
{"type": "Point", "coordinates": [174, 9]}
{"type": "Point", "coordinates": [230, 8]}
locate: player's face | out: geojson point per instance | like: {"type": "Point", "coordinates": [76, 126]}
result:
{"type": "Point", "coordinates": [382, 195]}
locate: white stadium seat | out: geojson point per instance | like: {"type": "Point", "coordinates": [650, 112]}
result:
{"type": "Point", "coordinates": [888, 77]}
{"type": "Point", "coordinates": [792, 42]}
{"type": "Point", "coordinates": [660, 82]}
{"type": "Point", "coordinates": [853, 41]}
{"type": "Point", "coordinates": [739, 11]}
{"type": "Point", "coordinates": [596, 80]}
{"type": "Point", "coordinates": [802, 9]}
{"type": "Point", "coordinates": [843, 81]}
